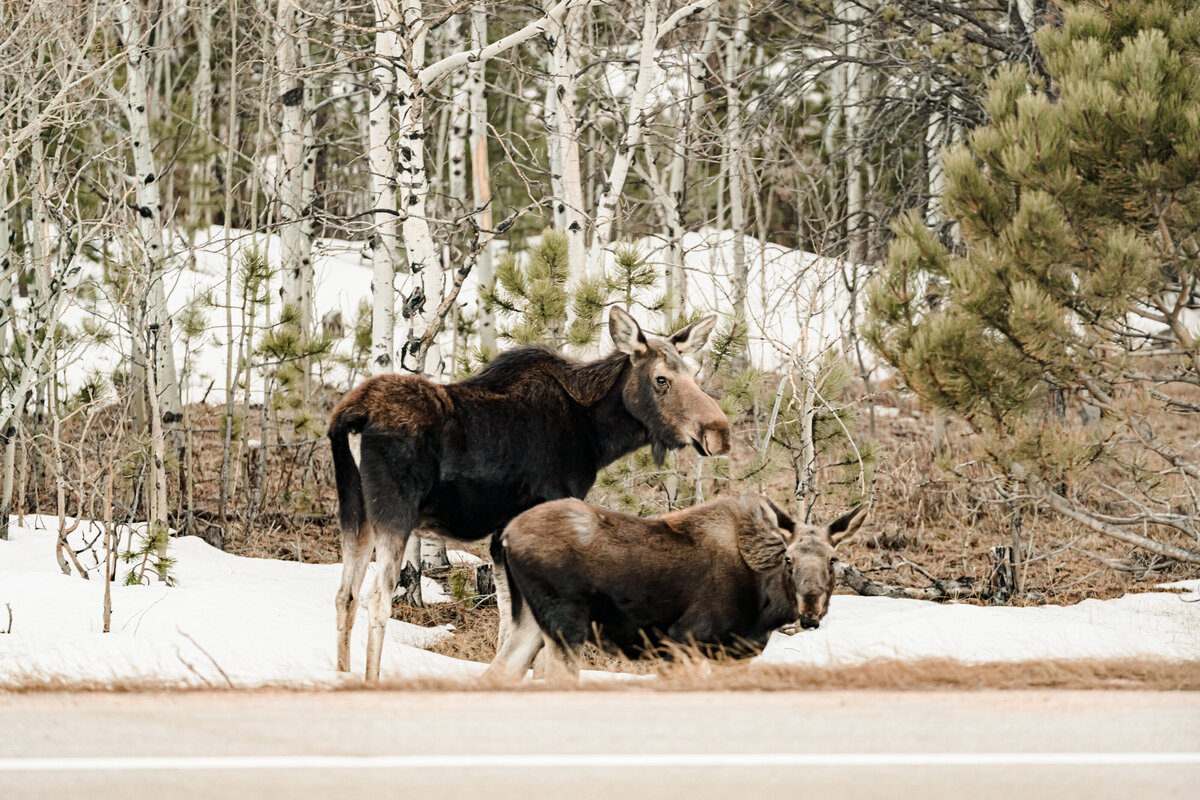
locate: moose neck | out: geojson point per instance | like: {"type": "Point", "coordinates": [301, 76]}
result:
{"type": "Point", "coordinates": [617, 432]}
{"type": "Point", "coordinates": [777, 597]}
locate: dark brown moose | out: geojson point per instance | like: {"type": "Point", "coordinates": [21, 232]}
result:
{"type": "Point", "coordinates": [461, 460]}
{"type": "Point", "coordinates": [721, 575]}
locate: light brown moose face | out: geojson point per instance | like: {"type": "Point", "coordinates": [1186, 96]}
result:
{"type": "Point", "coordinates": [775, 541]}
{"type": "Point", "coordinates": [813, 559]}
{"type": "Point", "coordinates": [661, 391]}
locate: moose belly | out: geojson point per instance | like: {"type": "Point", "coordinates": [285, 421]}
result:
{"type": "Point", "coordinates": [469, 510]}
{"type": "Point", "coordinates": [648, 628]}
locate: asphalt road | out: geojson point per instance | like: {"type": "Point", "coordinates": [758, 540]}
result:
{"type": "Point", "coordinates": [581, 745]}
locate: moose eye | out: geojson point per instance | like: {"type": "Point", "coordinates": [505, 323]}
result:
{"type": "Point", "coordinates": [661, 381]}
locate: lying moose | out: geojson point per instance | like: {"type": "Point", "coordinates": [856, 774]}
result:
{"type": "Point", "coordinates": [721, 575]}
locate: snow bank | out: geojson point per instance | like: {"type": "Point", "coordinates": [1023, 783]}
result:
{"type": "Point", "coordinates": [1157, 625]}
{"type": "Point", "coordinates": [259, 621]}
{"type": "Point", "coordinates": [263, 622]}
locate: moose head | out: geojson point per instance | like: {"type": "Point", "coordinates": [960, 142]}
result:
{"type": "Point", "coordinates": [804, 554]}
{"type": "Point", "coordinates": [661, 390]}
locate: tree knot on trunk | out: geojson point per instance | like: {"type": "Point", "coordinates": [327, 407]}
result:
{"type": "Point", "coordinates": [414, 303]}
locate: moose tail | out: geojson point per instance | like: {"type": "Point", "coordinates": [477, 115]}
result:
{"type": "Point", "coordinates": [503, 573]}
{"type": "Point", "coordinates": [347, 420]}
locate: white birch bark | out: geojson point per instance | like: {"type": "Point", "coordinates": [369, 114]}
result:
{"type": "Point", "coordinates": [564, 142]}
{"type": "Point", "coordinates": [202, 113]}
{"type": "Point", "coordinates": [7, 266]}
{"type": "Point", "coordinates": [480, 173]}
{"type": "Point", "coordinates": [606, 211]}
{"type": "Point", "coordinates": [733, 155]}
{"type": "Point", "coordinates": [456, 147]}
{"type": "Point", "coordinates": [150, 226]}
{"type": "Point", "coordinates": [853, 110]}
{"type": "Point", "coordinates": [297, 171]}
{"type": "Point", "coordinates": [8, 432]}
{"type": "Point", "coordinates": [383, 187]}
{"type": "Point", "coordinates": [231, 133]}
{"type": "Point", "coordinates": [554, 141]}
{"type": "Point", "coordinates": [413, 179]}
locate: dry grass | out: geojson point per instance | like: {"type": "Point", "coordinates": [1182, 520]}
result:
{"type": "Point", "coordinates": [695, 675]}
{"type": "Point", "coordinates": [919, 517]}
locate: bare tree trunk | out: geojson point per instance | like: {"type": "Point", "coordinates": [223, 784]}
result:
{"type": "Point", "coordinates": [158, 477]}
{"type": "Point", "coordinates": [6, 490]}
{"type": "Point", "coordinates": [456, 147]}
{"type": "Point", "coordinates": [8, 432]}
{"type": "Point", "coordinates": [855, 229]}
{"type": "Point", "coordinates": [202, 112]}
{"type": "Point", "coordinates": [298, 169]}
{"type": "Point", "coordinates": [110, 550]}
{"type": "Point", "coordinates": [422, 307]}
{"type": "Point", "coordinates": [606, 211]}
{"type": "Point", "coordinates": [564, 141]}
{"type": "Point", "coordinates": [733, 155]}
{"type": "Point", "coordinates": [383, 187]}
{"type": "Point", "coordinates": [806, 460]}
{"type": "Point", "coordinates": [230, 362]}
{"type": "Point", "coordinates": [150, 227]}
{"type": "Point", "coordinates": [480, 174]}
{"type": "Point", "coordinates": [426, 290]}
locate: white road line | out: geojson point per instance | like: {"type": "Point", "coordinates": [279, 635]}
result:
{"type": "Point", "coordinates": [552, 760]}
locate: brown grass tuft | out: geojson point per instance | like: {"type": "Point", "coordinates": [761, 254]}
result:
{"type": "Point", "coordinates": [700, 675]}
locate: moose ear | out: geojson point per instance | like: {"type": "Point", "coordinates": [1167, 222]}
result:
{"type": "Point", "coordinates": [626, 333]}
{"type": "Point", "coordinates": [691, 340]}
{"type": "Point", "coordinates": [759, 540]}
{"type": "Point", "coordinates": [781, 517]}
{"type": "Point", "coordinates": [841, 528]}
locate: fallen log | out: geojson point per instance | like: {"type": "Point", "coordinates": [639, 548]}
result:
{"type": "Point", "coordinates": [940, 589]}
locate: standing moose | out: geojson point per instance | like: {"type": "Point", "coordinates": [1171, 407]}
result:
{"type": "Point", "coordinates": [461, 460]}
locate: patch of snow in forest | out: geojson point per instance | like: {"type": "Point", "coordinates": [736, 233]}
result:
{"type": "Point", "coordinates": [262, 621]}
{"type": "Point", "coordinates": [795, 302]}
{"type": "Point", "coordinates": [259, 621]}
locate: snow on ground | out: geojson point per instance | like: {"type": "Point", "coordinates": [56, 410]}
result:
{"type": "Point", "coordinates": [259, 621]}
{"type": "Point", "coordinates": [1156, 625]}
{"type": "Point", "coordinates": [271, 622]}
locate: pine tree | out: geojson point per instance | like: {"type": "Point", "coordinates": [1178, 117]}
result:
{"type": "Point", "coordinates": [1078, 206]}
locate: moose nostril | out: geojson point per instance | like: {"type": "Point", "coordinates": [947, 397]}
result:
{"type": "Point", "coordinates": [716, 441]}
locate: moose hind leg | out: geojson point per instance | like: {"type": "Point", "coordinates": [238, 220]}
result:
{"type": "Point", "coordinates": [503, 603]}
{"type": "Point", "coordinates": [516, 653]}
{"type": "Point", "coordinates": [389, 551]}
{"type": "Point", "coordinates": [356, 555]}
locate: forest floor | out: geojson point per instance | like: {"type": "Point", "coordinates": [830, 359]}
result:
{"type": "Point", "coordinates": [922, 521]}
